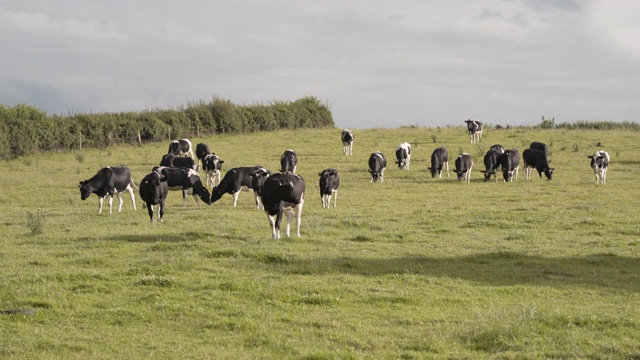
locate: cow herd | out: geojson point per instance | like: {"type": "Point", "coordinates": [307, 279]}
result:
{"type": "Point", "coordinates": [283, 193]}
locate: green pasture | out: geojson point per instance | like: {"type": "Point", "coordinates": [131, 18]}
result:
{"type": "Point", "coordinates": [411, 268]}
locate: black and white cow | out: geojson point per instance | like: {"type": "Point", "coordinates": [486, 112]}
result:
{"type": "Point", "coordinates": [403, 155]}
{"type": "Point", "coordinates": [510, 164]}
{"type": "Point", "coordinates": [212, 165]}
{"type": "Point", "coordinates": [108, 181]}
{"type": "Point", "coordinates": [540, 146]}
{"type": "Point", "coordinates": [283, 193]}
{"type": "Point", "coordinates": [377, 165]}
{"type": "Point", "coordinates": [464, 163]}
{"type": "Point", "coordinates": [186, 180]}
{"type": "Point", "coordinates": [181, 147]}
{"type": "Point", "coordinates": [491, 164]}
{"type": "Point", "coordinates": [234, 181]}
{"type": "Point", "coordinates": [329, 183]}
{"type": "Point", "coordinates": [497, 147]}
{"type": "Point", "coordinates": [153, 191]}
{"type": "Point", "coordinates": [536, 159]}
{"type": "Point", "coordinates": [475, 130]}
{"type": "Point", "coordinates": [347, 142]}
{"type": "Point", "coordinates": [202, 150]}
{"type": "Point", "coordinates": [257, 181]}
{"type": "Point", "coordinates": [600, 164]}
{"type": "Point", "coordinates": [439, 159]}
{"type": "Point", "coordinates": [288, 162]}
{"type": "Point", "coordinates": [171, 160]}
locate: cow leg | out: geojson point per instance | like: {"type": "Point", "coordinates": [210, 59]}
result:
{"type": "Point", "coordinates": [298, 210]}
{"type": "Point", "coordinates": [255, 193]}
{"type": "Point", "coordinates": [100, 201]}
{"type": "Point", "coordinates": [335, 198]}
{"type": "Point", "coordinates": [184, 198]}
{"type": "Point", "coordinates": [235, 198]}
{"type": "Point", "coordinates": [289, 213]}
{"type": "Point", "coordinates": [133, 197]}
{"type": "Point", "coordinates": [150, 211]}
{"type": "Point", "coordinates": [604, 176]}
{"type": "Point", "coordinates": [272, 221]}
{"type": "Point", "coordinates": [161, 211]}
{"type": "Point", "coordinates": [195, 197]}
{"type": "Point", "coordinates": [110, 203]}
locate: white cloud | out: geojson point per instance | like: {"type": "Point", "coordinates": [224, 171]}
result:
{"type": "Point", "coordinates": [616, 24]}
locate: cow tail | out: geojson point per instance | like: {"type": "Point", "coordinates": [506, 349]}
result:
{"type": "Point", "coordinates": [133, 184]}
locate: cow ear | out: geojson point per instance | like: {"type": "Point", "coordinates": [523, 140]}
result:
{"type": "Point", "coordinates": [590, 157]}
{"type": "Point", "coordinates": [282, 182]}
{"type": "Point", "coordinates": [220, 161]}
{"type": "Point", "coordinates": [370, 171]}
{"type": "Point", "coordinates": [319, 174]}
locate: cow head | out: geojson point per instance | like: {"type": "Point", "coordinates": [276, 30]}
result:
{"type": "Point", "coordinates": [548, 172]}
{"type": "Point", "coordinates": [85, 189]}
{"type": "Point", "coordinates": [460, 173]}
{"type": "Point", "coordinates": [487, 174]}
{"type": "Point", "coordinates": [375, 175]}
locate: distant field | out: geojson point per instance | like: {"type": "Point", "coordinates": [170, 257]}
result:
{"type": "Point", "coordinates": [410, 268]}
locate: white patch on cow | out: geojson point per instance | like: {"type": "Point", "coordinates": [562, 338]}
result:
{"type": "Point", "coordinates": [600, 165]}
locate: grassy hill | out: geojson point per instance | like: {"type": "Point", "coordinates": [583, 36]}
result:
{"type": "Point", "coordinates": [413, 267]}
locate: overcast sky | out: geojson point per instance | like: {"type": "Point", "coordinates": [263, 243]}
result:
{"type": "Point", "coordinates": [375, 63]}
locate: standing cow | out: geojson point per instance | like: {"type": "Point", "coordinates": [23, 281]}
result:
{"type": "Point", "coordinates": [202, 150]}
{"type": "Point", "coordinates": [153, 191]}
{"type": "Point", "coordinates": [258, 178]}
{"type": "Point", "coordinates": [377, 165]}
{"type": "Point", "coordinates": [536, 159]}
{"type": "Point", "coordinates": [600, 164]}
{"type": "Point", "coordinates": [283, 193]}
{"type": "Point", "coordinates": [403, 155]}
{"type": "Point", "coordinates": [234, 181]}
{"type": "Point", "coordinates": [464, 163]}
{"type": "Point", "coordinates": [108, 181]}
{"type": "Point", "coordinates": [540, 146]}
{"type": "Point", "coordinates": [288, 162]}
{"type": "Point", "coordinates": [212, 165]}
{"type": "Point", "coordinates": [475, 130]}
{"type": "Point", "coordinates": [186, 180]}
{"type": "Point", "coordinates": [439, 159]}
{"type": "Point", "coordinates": [491, 164]}
{"type": "Point", "coordinates": [510, 164]}
{"type": "Point", "coordinates": [347, 142]}
{"type": "Point", "coordinates": [329, 183]}
{"type": "Point", "coordinates": [181, 147]}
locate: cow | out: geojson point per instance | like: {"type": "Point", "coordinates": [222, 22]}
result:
{"type": "Point", "coordinates": [491, 164]}
{"type": "Point", "coordinates": [288, 162]}
{"type": "Point", "coordinates": [439, 159]}
{"type": "Point", "coordinates": [187, 180]}
{"type": "Point", "coordinates": [109, 180]}
{"type": "Point", "coordinates": [537, 159]}
{"type": "Point", "coordinates": [600, 164]}
{"type": "Point", "coordinates": [510, 164]}
{"type": "Point", "coordinates": [234, 181]}
{"type": "Point", "coordinates": [377, 165]}
{"type": "Point", "coordinates": [171, 160]}
{"type": "Point", "coordinates": [257, 181]}
{"type": "Point", "coordinates": [464, 163]}
{"type": "Point", "coordinates": [153, 191]}
{"type": "Point", "coordinates": [475, 130]}
{"type": "Point", "coordinates": [283, 193]}
{"type": "Point", "coordinates": [403, 155]}
{"type": "Point", "coordinates": [497, 147]}
{"type": "Point", "coordinates": [202, 150]}
{"type": "Point", "coordinates": [329, 183]}
{"type": "Point", "coordinates": [347, 142]}
{"type": "Point", "coordinates": [181, 147]}
{"type": "Point", "coordinates": [212, 164]}
{"type": "Point", "coordinates": [540, 146]}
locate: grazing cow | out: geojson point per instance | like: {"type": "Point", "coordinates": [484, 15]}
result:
{"type": "Point", "coordinates": [109, 180]}
{"type": "Point", "coordinates": [510, 164]}
{"type": "Point", "coordinates": [536, 159]}
{"type": "Point", "coordinates": [497, 147]}
{"type": "Point", "coordinates": [377, 165]}
{"type": "Point", "coordinates": [464, 163]}
{"type": "Point", "coordinates": [257, 181]}
{"type": "Point", "coordinates": [288, 162]}
{"type": "Point", "coordinates": [181, 147]}
{"type": "Point", "coordinates": [475, 130]}
{"type": "Point", "coordinates": [403, 155]}
{"type": "Point", "coordinates": [212, 164]}
{"type": "Point", "coordinates": [283, 193]}
{"type": "Point", "coordinates": [600, 164]}
{"type": "Point", "coordinates": [202, 150]}
{"type": "Point", "coordinates": [347, 142]}
{"type": "Point", "coordinates": [170, 160]}
{"type": "Point", "coordinates": [491, 164]}
{"type": "Point", "coordinates": [186, 180]}
{"type": "Point", "coordinates": [329, 182]}
{"type": "Point", "coordinates": [439, 159]}
{"type": "Point", "coordinates": [153, 191]}
{"type": "Point", "coordinates": [536, 145]}
{"type": "Point", "coordinates": [234, 181]}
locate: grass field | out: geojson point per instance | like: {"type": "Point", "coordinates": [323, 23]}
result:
{"type": "Point", "coordinates": [410, 268]}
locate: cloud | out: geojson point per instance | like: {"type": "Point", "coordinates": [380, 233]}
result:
{"type": "Point", "coordinates": [616, 25]}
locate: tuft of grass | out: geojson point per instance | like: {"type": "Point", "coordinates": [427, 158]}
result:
{"type": "Point", "coordinates": [36, 221]}
{"type": "Point", "coordinates": [79, 158]}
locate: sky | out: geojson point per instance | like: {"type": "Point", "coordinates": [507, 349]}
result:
{"type": "Point", "coordinates": [376, 64]}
